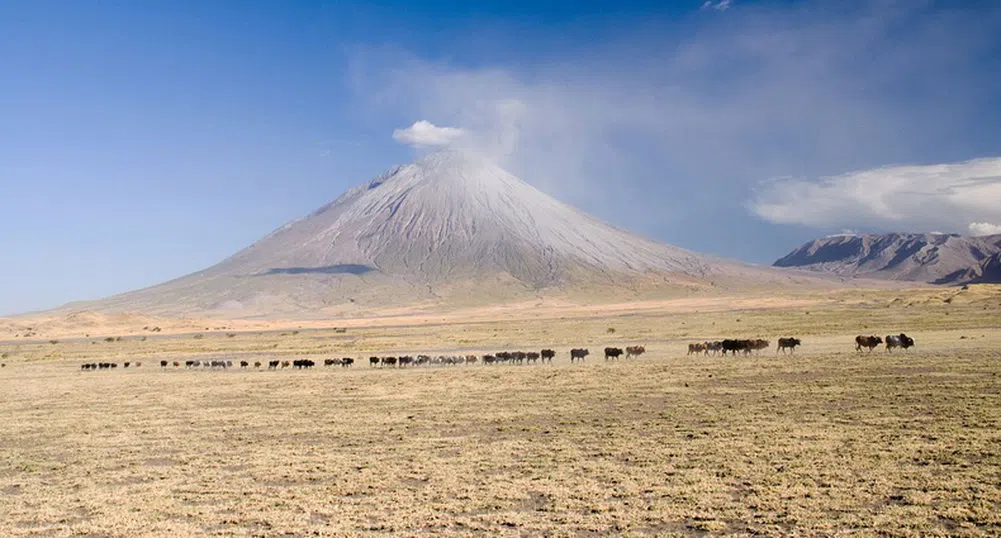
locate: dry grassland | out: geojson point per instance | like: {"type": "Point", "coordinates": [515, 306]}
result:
{"type": "Point", "coordinates": [828, 442]}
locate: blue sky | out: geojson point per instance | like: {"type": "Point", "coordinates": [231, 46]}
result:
{"type": "Point", "coordinates": [143, 141]}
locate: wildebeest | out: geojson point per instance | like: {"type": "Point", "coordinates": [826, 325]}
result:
{"type": "Point", "coordinates": [177, 364]}
{"type": "Point", "coordinates": [163, 364]}
{"type": "Point", "coordinates": [898, 340]}
{"type": "Point", "coordinates": [788, 343]}
{"type": "Point", "coordinates": [547, 355]}
{"type": "Point", "coordinates": [389, 361]}
{"type": "Point", "coordinates": [713, 347]}
{"type": "Point", "coordinates": [696, 348]}
{"type": "Point", "coordinates": [302, 363]}
{"type": "Point", "coordinates": [869, 342]}
{"type": "Point", "coordinates": [347, 361]}
{"type": "Point", "coordinates": [257, 364]}
{"type": "Point", "coordinates": [373, 361]}
{"type": "Point", "coordinates": [578, 354]}
{"type": "Point", "coordinates": [330, 362]}
{"type": "Point", "coordinates": [489, 359]}
{"type": "Point", "coordinates": [612, 353]}
{"type": "Point", "coordinates": [286, 364]}
{"type": "Point", "coordinates": [244, 364]}
{"type": "Point", "coordinates": [634, 351]}
{"type": "Point", "coordinates": [273, 365]}
{"type": "Point", "coordinates": [532, 356]}
{"type": "Point", "coordinates": [471, 359]}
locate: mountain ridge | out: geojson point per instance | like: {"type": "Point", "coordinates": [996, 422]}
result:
{"type": "Point", "coordinates": [930, 257]}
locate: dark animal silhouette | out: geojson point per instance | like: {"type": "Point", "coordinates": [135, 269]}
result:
{"type": "Point", "coordinates": [578, 354]}
{"type": "Point", "coordinates": [612, 353]}
{"type": "Point", "coordinates": [788, 343]}
{"type": "Point", "coordinates": [898, 340]}
{"type": "Point", "coordinates": [869, 342]}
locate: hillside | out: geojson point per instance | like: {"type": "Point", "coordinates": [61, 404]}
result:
{"type": "Point", "coordinates": [449, 229]}
{"type": "Point", "coordinates": [933, 258]}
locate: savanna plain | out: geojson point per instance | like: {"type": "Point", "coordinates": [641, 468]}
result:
{"type": "Point", "coordinates": [825, 442]}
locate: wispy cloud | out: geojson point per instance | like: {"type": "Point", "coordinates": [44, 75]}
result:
{"type": "Point", "coordinates": [424, 134]}
{"type": "Point", "coordinates": [919, 198]}
{"type": "Point", "coordinates": [720, 5]}
{"type": "Point", "coordinates": [662, 128]}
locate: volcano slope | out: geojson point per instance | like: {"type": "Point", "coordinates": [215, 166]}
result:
{"type": "Point", "coordinates": [448, 230]}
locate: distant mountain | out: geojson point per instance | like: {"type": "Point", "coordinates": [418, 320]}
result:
{"type": "Point", "coordinates": [934, 258]}
{"type": "Point", "coordinates": [450, 228]}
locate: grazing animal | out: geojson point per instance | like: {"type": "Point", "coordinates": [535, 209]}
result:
{"type": "Point", "coordinates": [578, 354]}
{"type": "Point", "coordinates": [163, 364]}
{"type": "Point", "coordinates": [712, 347]}
{"type": "Point", "coordinates": [788, 343]}
{"type": "Point", "coordinates": [177, 364]}
{"type": "Point", "coordinates": [373, 361]}
{"type": "Point", "coordinates": [532, 356]}
{"type": "Point", "coordinates": [734, 346]}
{"type": "Point", "coordinates": [759, 344]}
{"type": "Point", "coordinates": [696, 348]}
{"type": "Point", "coordinates": [869, 342]}
{"type": "Point", "coordinates": [634, 351]}
{"type": "Point", "coordinates": [389, 361]}
{"type": "Point", "coordinates": [272, 365]}
{"type": "Point", "coordinates": [898, 340]}
{"type": "Point", "coordinates": [612, 352]}
{"type": "Point", "coordinates": [330, 362]}
{"type": "Point", "coordinates": [547, 355]}
{"type": "Point", "coordinates": [347, 361]}
{"type": "Point", "coordinates": [126, 365]}
{"type": "Point", "coordinates": [244, 364]}
{"type": "Point", "coordinates": [257, 364]}
{"type": "Point", "coordinates": [489, 359]}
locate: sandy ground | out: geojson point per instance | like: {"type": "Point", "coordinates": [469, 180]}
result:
{"type": "Point", "coordinates": [826, 442]}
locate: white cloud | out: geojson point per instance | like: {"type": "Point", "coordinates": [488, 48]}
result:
{"type": "Point", "coordinates": [907, 198]}
{"type": "Point", "coordinates": [664, 126]}
{"type": "Point", "coordinates": [984, 228]}
{"type": "Point", "coordinates": [721, 5]}
{"type": "Point", "coordinates": [424, 134]}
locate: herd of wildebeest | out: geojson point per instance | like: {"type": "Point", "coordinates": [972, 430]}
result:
{"type": "Point", "coordinates": [717, 347]}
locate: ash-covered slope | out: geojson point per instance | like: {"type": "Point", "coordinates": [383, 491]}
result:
{"type": "Point", "coordinates": [452, 228]}
{"type": "Point", "coordinates": [935, 258]}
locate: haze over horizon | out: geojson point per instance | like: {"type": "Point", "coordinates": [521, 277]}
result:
{"type": "Point", "coordinates": [142, 144]}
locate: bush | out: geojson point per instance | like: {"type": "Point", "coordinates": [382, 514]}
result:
{"type": "Point", "coordinates": [53, 342]}
{"type": "Point", "coordinates": [610, 330]}
{"type": "Point", "coordinates": [109, 339]}
{"type": "Point", "coordinates": [199, 336]}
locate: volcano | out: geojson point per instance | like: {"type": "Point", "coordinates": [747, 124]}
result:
{"type": "Point", "coordinates": [451, 228]}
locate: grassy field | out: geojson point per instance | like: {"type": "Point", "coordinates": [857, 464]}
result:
{"type": "Point", "coordinates": [827, 442]}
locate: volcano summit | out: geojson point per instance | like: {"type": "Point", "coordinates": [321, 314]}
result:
{"type": "Point", "coordinates": [451, 228]}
